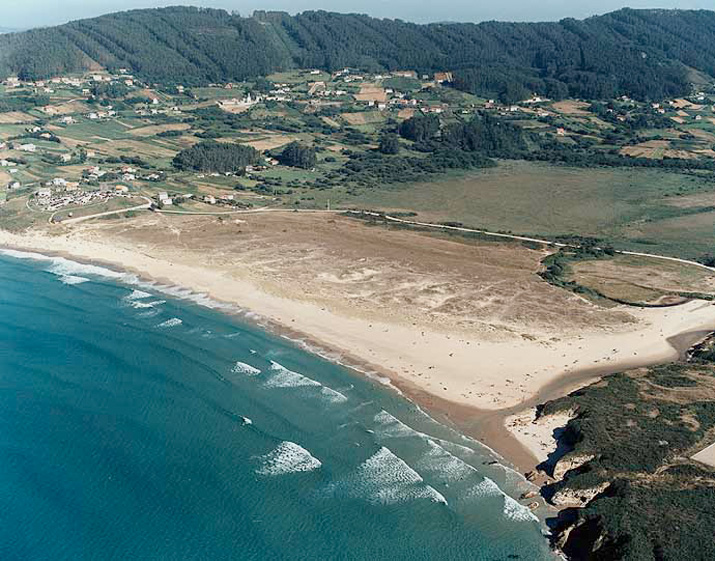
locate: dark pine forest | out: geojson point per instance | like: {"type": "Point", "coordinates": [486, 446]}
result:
{"type": "Point", "coordinates": [646, 54]}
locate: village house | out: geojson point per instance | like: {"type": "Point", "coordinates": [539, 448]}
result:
{"type": "Point", "coordinates": [27, 148]}
{"type": "Point", "coordinates": [405, 73]}
{"type": "Point", "coordinates": [441, 77]}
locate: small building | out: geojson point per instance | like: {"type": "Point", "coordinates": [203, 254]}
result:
{"type": "Point", "coordinates": [210, 199]}
{"type": "Point", "coordinates": [44, 193]}
{"type": "Point", "coordinates": [441, 77]}
{"type": "Point", "coordinates": [27, 148]}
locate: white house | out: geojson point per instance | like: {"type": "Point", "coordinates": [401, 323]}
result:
{"type": "Point", "coordinates": [28, 147]}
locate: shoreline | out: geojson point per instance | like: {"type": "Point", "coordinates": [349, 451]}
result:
{"type": "Point", "coordinates": [485, 425]}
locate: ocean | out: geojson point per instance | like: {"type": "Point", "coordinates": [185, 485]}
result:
{"type": "Point", "coordinates": [144, 422]}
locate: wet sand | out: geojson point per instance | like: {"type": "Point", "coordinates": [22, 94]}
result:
{"type": "Point", "coordinates": [472, 382]}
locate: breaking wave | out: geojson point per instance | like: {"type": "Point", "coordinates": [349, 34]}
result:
{"type": "Point", "coordinates": [282, 377]}
{"type": "Point", "coordinates": [243, 368]}
{"type": "Point", "coordinates": [287, 457]}
{"type": "Point", "coordinates": [384, 478]}
{"type": "Point", "coordinates": [392, 427]}
{"type": "Point", "coordinates": [173, 322]}
{"type": "Point", "coordinates": [333, 396]}
{"type": "Point", "coordinates": [445, 465]}
{"type": "Point", "coordinates": [137, 295]}
{"type": "Point", "coordinates": [72, 279]}
{"type": "Point", "coordinates": [512, 509]}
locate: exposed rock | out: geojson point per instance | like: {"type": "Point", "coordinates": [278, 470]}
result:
{"type": "Point", "coordinates": [570, 462]}
{"type": "Point", "coordinates": [567, 496]}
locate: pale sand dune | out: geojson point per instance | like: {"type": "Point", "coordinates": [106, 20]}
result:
{"type": "Point", "coordinates": [465, 369]}
{"type": "Point", "coordinates": [706, 456]}
{"type": "Point", "coordinates": [537, 436]}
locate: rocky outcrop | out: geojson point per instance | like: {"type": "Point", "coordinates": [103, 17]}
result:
{"type": "Point", "coordinates": [569, 463]}
{"type": "Point", "coordinates": [567, 496]}
{"type": "Point", "coordinates": [584, 539]}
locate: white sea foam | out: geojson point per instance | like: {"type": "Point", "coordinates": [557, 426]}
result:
{"type": "Point", "coordinates": [486, 488]}
{"type": "Point", "coordinates": [512, 509]}
{"type": "Point", "coordinates": [332, 395]}
{"type": "Point", "coordinates": [384, 478]}
{"type": "Point", "coordinates": [445, 465]}
{"type": "Point", "coordinates": [287, 457]}
{"type": "Point", "coordinates": [137, 295]}
{"type": "Point", "coordinates": [285, 378]}
{"type": "Point", "coordinates": [173, 322]}
{"type": "Point", "coordinates": [72, 279]}
{"type": "Point", "coordinates": [391, 427]}
{"type": "Point", "coordinates": [282, 377]}
{"type": "Point", "coordinates": [63, 267]}
{"type": "Point", "coordinates": [516, 511]}
{"type": "Point", "coordinates": [141, 305]}
{"type": "Point", "coordinates": [243, 368]}
{"type": "Point", "coordinates": [24, 255]}
{"type": "Point", "coordinates": [70, 272]}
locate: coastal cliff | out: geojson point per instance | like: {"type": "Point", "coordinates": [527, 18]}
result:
{"type": "Point", "coordinates": [626, 481]}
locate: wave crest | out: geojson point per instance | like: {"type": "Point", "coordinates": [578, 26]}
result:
{"type": "Point", "coordinates": [288, 457]}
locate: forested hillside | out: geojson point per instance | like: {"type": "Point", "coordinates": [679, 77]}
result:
{"type": "Point", "coordinates": [647, 54]}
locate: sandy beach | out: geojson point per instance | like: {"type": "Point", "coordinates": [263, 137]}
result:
{"type": "Point", "coordinates": [465, 373]}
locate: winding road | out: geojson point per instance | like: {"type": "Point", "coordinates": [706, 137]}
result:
{"type": "Point", "coordinates": [521, 238]}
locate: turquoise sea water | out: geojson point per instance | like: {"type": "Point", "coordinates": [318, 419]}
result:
{"type": "Point", "coordinates": [137, 423]}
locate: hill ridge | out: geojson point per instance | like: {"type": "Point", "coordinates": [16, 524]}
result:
{"type": "Point", "coordinates": [646, 54]}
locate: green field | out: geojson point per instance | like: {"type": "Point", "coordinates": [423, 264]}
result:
{"type": "Point", "coordinates": [633, 208]}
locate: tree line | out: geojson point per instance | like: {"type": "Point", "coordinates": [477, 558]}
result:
{"type": "Point", "coordinates": [646, 54]}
